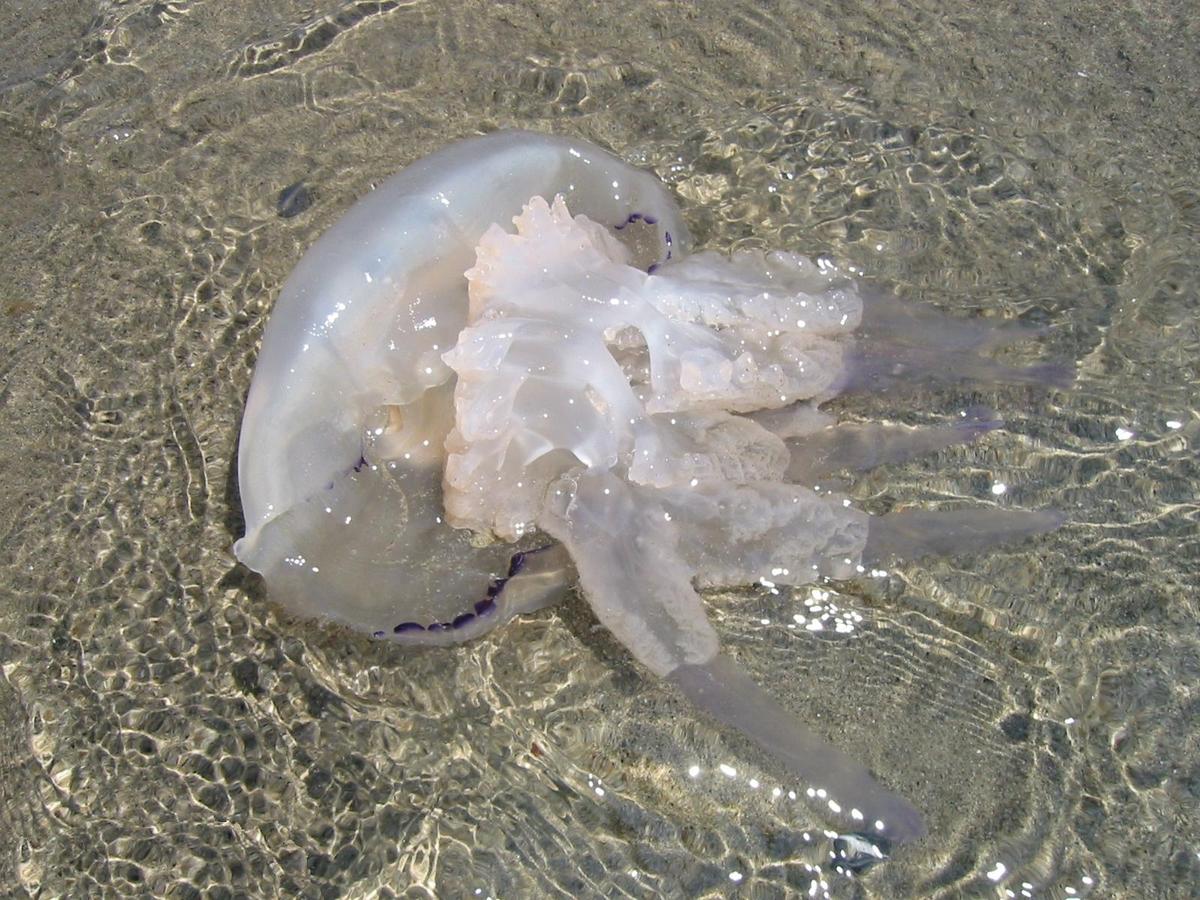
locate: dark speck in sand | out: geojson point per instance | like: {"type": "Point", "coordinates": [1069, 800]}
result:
{"type": "Point", "coordinates": [293, 200]}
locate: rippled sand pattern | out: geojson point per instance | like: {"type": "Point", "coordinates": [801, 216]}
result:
{"type": "Point", "coordinates": [165, 731]}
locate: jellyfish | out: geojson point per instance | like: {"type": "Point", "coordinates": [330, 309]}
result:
{"type": "Point", "coordinates": [502, 376]}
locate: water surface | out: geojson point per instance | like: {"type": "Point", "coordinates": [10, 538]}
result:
{"type": "Point", "coordinates": [166, 731]}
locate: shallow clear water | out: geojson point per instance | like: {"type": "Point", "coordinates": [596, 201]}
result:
{"type": "Point", "coordinates": [165, 731]}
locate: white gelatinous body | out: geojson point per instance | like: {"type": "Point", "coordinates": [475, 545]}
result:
{"type": "Point", "coordinates": [506, 344]}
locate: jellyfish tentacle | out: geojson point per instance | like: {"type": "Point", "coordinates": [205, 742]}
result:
{"type": "Point", "coordinates": [902, 344]}
{"type": "Point", "coordinates": [877, 364]}
{"type": "Point", "coordinates": [888, 317]}
{"type": "Point", "coordinates": [629, 569]}
{"type": "Point", "coordinates": [864, 446]}
{"type": "Point", "coordinates": [912, 533]}
{"type": "Point", "coordinates": [723, 689]}
{"type": "Point", "coordinates": [639, 585]}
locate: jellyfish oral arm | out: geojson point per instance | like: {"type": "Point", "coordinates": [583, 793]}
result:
{"type": "Point", "coordinates": [723, 690]}
{"type": "Point", "coordinates": [631, 573]}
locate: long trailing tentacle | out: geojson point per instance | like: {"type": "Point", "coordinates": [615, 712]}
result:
{"type": "Point", "coordinates": [639, 585]}
{"type": "Point", "coordinates": [865, 446]}
{"type": "Point", "coordinates": [909, 534]}
{"type": "Point", "coordinates": [723, 690]}
{"type": "Point", "coordinates": [901, 344]}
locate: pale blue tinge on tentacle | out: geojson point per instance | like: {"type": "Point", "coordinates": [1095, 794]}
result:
{"type": "Point", "coordinates": [858, 447]}
{"type": "Point", "coordinates": [903, 345]}
{"type": "Point", "coordinates": [913, 533]}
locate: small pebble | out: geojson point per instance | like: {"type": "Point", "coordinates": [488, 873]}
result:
{"type": "Point", "coordinates": [293, 200]}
